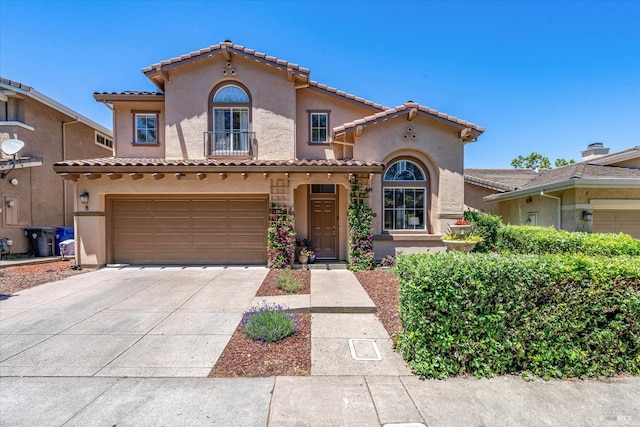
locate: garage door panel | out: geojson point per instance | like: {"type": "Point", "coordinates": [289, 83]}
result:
{"type": "Point", "coordinates": [253, 205]}
{"type": "Point", "coordinates": [617, 221]}
{"type": "Point", "coordinates": [133, 205]}
{"type": "Point", "coordinates": [210, 205]}
{"type": "Point", "coordinates": [196, 231]}
{"type": "Point", "coordinates": [133, 222]}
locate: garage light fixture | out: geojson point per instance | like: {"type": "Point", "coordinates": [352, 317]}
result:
{"type": "Point", "coordinates": [84, 199]}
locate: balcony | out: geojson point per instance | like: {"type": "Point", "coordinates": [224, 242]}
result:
{"type": "Point", "coordinates": [235, 143]}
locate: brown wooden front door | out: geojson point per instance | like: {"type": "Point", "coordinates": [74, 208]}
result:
{"type": "Point", "coordinates": [323, 227]}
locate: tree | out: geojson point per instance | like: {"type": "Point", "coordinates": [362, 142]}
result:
{"type": "Point", "coordinates": [532, 161]}
{"type": "Point", "coordinates": [563, 162]}
{"type": "Point", "coordinates": [538, 161]}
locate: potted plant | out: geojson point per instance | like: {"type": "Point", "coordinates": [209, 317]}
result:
{"type": "Point", "coordinates": [312, 258]}
{"type": "Point", "coordinates": [461, 237]}
{"type": "Point", "coordinates": [460, 227]}
{"type": "Point", "coordinates": [305, 253]}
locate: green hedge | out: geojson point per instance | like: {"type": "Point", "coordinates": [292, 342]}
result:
{"type": "Point", "coordinates": [485, 225]}
{"type": "Point", "coordinates": [539, 240]}
{"type": "Point", "coordinates": [547, 315]}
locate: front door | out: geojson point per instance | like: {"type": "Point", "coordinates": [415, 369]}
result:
{"type": "Point", "coordinates": [323, 227]}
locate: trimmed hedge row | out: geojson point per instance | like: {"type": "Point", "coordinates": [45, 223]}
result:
{"type": "Point", "coordinates": [539, 240]}
{"type": "Point", "coordinates": [548, 315]}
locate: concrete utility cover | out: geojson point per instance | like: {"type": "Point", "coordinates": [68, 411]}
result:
{"type": "Point", "coordinates": [364, 349]}
{"type": "Point", "coordinates": [404, 425]}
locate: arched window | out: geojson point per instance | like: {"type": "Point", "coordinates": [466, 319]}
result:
{"type": "Point", "coordinates": [405, 196]}
{"type": "Point", "coordinates": [230, 121]}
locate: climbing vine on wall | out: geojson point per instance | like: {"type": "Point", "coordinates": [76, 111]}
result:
{"type": "Point", "coordinates": [361, 256]}
{"type": "Point", "coordinates": [281, 238]}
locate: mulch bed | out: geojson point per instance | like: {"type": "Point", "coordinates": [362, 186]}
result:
{"type": "Point", "coordinates": [18, 277]}
{"type": "Point", "coordinates": [244, 357]}
{"type": "Point", "coordinates": [268, 287]}
{"type": "Point", "coordinates": [383, 289]}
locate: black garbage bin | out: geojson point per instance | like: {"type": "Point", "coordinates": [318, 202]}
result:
{"type": "Point", "coordinates": [42, 240]}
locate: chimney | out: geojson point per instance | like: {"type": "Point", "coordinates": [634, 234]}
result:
{"type": "Point", "coordinates": [594, 150]}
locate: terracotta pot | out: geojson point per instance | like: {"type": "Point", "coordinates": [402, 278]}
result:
{"type": "Point", "coordinates": [303, 259]}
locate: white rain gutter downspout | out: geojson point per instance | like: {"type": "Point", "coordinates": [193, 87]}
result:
{"type": "Point", "coordinates": [559, 199]}
{"type": "Point", "coordinates": [64, 157]}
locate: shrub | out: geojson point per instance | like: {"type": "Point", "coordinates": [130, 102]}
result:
{"type": "Point", "coordinates": [485, 225]}
{"type": "Point", "coordinates": [538, 240]}
{"type": "Point", "coordinates": [288, 283]}
{"type": "Point", "coordinates": [281, 239]}
{"type": "Point", "coordinates": [548, 315]}
{"type": "Point", "coordinates": [268, 323]}
{"type": "Point", "coordinates": [360, 216]}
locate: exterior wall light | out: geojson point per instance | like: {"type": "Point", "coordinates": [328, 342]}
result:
{"type": "Point", "coordinates": [587, 216]}
{"type": "Point", "coordinates": [84, 199]}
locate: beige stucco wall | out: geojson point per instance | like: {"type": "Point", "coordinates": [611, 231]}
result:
{"type": "Point", "coordinates": [187, 102]}
{"type": "Point", "coordinates": [340, 111]}
{"type": "Point", "coordinates": [574, 202]}
{"type": "Point", "coordinates": [473, 197]}
{"type": "Point", "coordinates": [436, 146]}
{"type": "Point", "coordinates": [125, 129]}
{"type": "Point", "coordinates": [43, 198]}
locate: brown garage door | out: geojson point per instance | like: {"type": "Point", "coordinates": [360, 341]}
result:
{"type": "Point", "coordinates": [230, 230]}
{"type": "Point", "coordinates": [617, 221]}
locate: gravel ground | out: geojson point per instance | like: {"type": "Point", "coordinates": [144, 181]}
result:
{"type": "Point", "coordinates": [16, 278]}
{"type": "Point", "coordinates": [382, 287]}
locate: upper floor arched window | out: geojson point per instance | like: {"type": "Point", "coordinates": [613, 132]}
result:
{"type": "Point", "coordinates": [230, 121]}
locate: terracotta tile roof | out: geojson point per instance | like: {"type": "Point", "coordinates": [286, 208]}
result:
{"type": "Point", "coordinates": [500, 179]}
{"type": "Point", "coordinates": [233, 48]}
{"type": "Point", "coordinates": [403, 109]}
{"type": "Point", "coordinates": [131, 92]}
{"type": "Point", "coordinates": [195, 163]}
{"type": "Point", "coordinates": [344, 94]}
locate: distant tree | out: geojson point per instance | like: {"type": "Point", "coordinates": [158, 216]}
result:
{"type": "Point", "coordinates": [538, 161]}
{"type": "Point", "coordinates": [563, 162]}
{"type": "Point", "coordinates": [532, 161]}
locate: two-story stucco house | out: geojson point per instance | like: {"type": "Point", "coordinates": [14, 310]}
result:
{"type": "Point", "coordinates": [198, 164]}
{"type": "Point", "coordinates": [31, 193]}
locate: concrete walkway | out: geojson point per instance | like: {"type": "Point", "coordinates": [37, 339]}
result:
{"type": "Point", "coordinates": [131, 347]}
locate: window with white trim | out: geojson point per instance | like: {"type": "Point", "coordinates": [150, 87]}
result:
{"type": "Point", "coordinates": [103, 140]}
{"type": "Point", "coordinates": [146, 128]}
{"type": "Point", "coordinates": [405, 197]}
{"type": "Point", "coordinates": [319, 127]}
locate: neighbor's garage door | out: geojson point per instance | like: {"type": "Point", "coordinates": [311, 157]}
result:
{"type": "Point", "coordinates": [617, 221]}
{"type": "Point", "coordinates": [230, 230]}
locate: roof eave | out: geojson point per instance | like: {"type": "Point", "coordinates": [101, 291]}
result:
{"type": "Point", "coordinates": [219, 169]}
{"type": "Point", "coordinates": [100, 97]}
{"type": "Point", "coordinates": [564, 185]}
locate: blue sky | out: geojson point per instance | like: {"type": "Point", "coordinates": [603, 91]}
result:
{"type": "Point", "coordinates": [545, 76]}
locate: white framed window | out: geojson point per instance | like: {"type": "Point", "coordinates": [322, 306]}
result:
{"type": "Point", "coordinates": [145, 128]}
{"type": "Point", "coordinates": [103, 140]}
{"type": "Point", "coordinates": [405, 197]}
{"type": "Point", "coordinates": [319, 126]}
{"type": "Point", "coordinates": [230, 111]}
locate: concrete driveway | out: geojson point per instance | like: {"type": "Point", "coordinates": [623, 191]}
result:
{"type": "Point", "coordinates": [137, 321]}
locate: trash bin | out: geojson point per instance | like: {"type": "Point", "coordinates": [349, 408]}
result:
{"type": "Point", "coordinates": [42, 240]}
{"type": "Point", "coordinates": [67, 247]}
{"type": "Point", "coordinates": [62, 234]}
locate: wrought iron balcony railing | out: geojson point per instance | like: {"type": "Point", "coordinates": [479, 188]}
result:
{"type": "Point", "coordinates": [235, 143]}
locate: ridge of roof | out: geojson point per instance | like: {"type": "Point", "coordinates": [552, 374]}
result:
{"type": "Point", "coordinates": [400, 109]}
{"type": "Point", "coordinates": [131, 92]}
{"type": "Point", "coordinates": [347, 95]}
{"type": "Point", "coordinates": [208, 51]}
{"type": "Point", "coordinates": [582, 170]}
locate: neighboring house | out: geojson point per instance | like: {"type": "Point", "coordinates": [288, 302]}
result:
{"type": "Point", "coordinates": [231, 131]}
{"type": "Point", "coordinates": [32, 193]}
{"type": "Point", "coordinates": [599, 194]}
